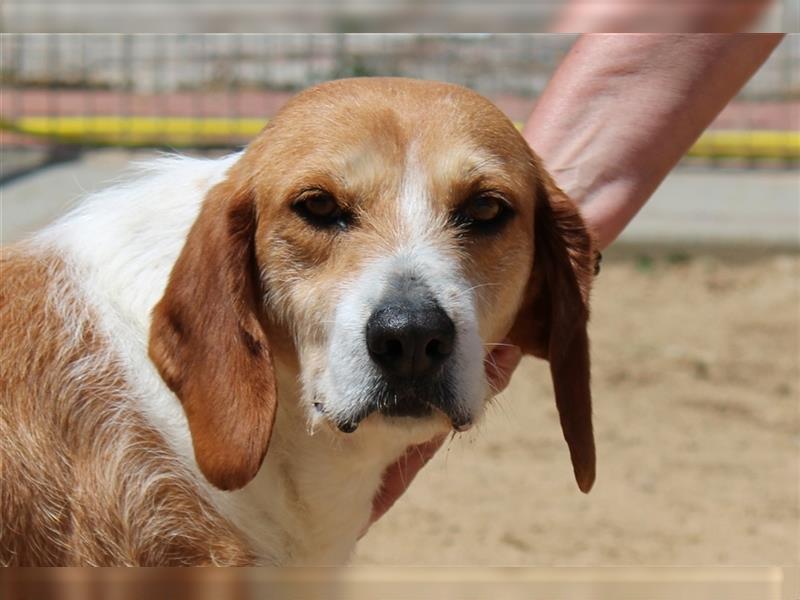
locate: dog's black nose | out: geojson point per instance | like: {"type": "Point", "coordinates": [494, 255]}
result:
{"type": "Point", "coordinates": [410, 340]}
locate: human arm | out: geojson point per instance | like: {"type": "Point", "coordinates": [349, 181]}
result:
{"type": "Point", "coordinates": [708, 16]}
{"type": "Point", "coordinates": [617, 116]}
{"type": "Point", "coordinates": [622, 109]}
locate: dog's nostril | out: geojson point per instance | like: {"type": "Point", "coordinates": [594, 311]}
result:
{"type": "Point", "coordinates": [438, 348]}
{"type": "Point", "coordinates": [394, 348]}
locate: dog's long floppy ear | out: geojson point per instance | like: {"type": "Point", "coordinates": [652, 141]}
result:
{"type": "Point", "coordinates": [552, 320]}
{"type": "Point", "coordinates": [209, 344]}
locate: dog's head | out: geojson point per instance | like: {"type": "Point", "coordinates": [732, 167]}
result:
{"type": "Point", "coordinates": [379, 235]}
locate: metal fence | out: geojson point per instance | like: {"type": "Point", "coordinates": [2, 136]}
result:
{"type": "Point", "coordinates": [217, 90]}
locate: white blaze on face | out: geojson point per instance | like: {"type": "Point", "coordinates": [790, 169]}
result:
{"type": "Point", "coordinates": [425, 251]}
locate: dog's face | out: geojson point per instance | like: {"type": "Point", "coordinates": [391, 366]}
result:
{"type": "Point", "coordinates": [379, 236]}
{"type": "Point", "coordinates": [394, 239]}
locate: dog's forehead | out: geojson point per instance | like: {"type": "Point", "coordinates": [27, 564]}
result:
{"type": "Point", "coordinates": [358, 122]}
{"type": "Point", "coordinates": [374, 143]}
{"type": "Point", "coordinates": [419, 100]}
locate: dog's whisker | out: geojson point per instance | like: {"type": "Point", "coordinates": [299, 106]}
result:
{"type": "Point", "coordinates": [475, 287]}
{"type": "Point", "coordinates": [490, 360]}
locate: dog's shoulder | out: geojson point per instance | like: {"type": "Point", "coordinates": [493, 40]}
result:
{"type": "Point", "coordinates": [87, 478]}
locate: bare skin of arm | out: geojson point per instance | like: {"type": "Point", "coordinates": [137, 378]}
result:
{"type": "Point", "coordinates": [708, 16]}
{"type": "Point", "coordinates": [621, 111]}
{"type": "Point", "coordinates": [616, 117]}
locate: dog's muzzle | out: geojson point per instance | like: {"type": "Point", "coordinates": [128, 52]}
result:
{"type": "Point", "coordinates": [410, 339]}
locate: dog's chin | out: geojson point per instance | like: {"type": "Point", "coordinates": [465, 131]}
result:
{"type": "Point", "coordinates": [424, 405]}
{"type": "Point", "coordinates": [425, 417]}
{"type": "Point", "coordinates": [407, 405]}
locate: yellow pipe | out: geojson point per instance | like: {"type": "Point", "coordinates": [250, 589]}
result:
{"type": "Point", "coordinates": [189, 131]}
{"type": "Point", "coordinates": [136, 131]}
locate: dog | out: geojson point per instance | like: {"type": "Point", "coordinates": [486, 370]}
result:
{"type": "Point", "coordinates": [215, 362]}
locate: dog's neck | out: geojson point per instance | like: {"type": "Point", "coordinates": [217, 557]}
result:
{"type": "Point", "coordinates": [312, 497]}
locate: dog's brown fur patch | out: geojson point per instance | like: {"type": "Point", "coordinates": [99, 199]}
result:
{"type": "Point", "coordinates": [84, 480]}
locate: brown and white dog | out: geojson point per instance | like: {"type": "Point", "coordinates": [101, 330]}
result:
{"type": "Point", "coordinates": [215, 363]}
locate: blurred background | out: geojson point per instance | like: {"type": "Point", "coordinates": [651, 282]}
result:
{"type": "Point", "coordinates": [336, 16]}
{"type": "Point", "coordinates": [696, 314]}
{"type": "Point", "coordinates": [64, 97]}
{"type": "Point", "coordinates": [216, 90]}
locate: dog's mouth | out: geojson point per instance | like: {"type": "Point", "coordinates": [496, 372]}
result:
{"type": "Point", "coordinates": [416, 410]}
{"type": "Point", "coordinates": [421, 399]}
{"type": "Point", "coordinates": [408, 400]}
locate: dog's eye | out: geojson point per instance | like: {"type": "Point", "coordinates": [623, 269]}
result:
{"type": "Point", "coordinates": [483, 208]}
{"type": "Point", "coordinates": [322, 206]}
{"type": "Point", "coordinates": [483, 212]}
{"type": "Point", "coordinates": [320, 209]}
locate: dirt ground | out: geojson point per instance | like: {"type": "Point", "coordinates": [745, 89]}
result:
{"type": "Point", "coordinates": [696, 383]}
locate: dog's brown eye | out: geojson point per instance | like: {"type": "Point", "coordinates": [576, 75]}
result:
{"type": "Point", "coordinates": [483, 213]}
{"type": "Point", "coordinates": [322, 206]}
{"type": "Point", "coordinates": [483, 208]}
{"type": "Point", "coordinates": [321, 210]}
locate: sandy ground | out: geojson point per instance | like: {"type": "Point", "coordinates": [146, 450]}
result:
{"type": "Point", "coordinates": [696, 385]}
